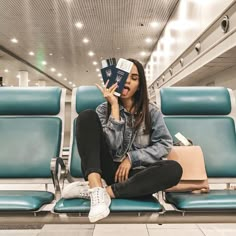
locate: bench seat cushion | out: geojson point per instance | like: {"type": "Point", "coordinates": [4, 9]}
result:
{"type": "Point", "coordinates": [149, 204]}
{"type": "Point", "coordinates": [20, 200]}
{"type": "Point", "coordinates": [215, 200]}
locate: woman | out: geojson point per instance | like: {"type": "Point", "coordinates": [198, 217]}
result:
{"type": "Point", "coordinates": [123, 142]}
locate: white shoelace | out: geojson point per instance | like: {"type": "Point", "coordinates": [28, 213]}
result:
{"type": "Point", "coordinates": [85, 195]}
{"type": "Point", "coordinates": [97, 196]}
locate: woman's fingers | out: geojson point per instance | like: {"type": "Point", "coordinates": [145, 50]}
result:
{"type": "Point", "coordinates": [107, 91]}
{"type": "Point", "coordinates": [121, 175]}
{"type": "Point", "coordinates": [117, 175]}
{"type": "Point", "coordinates": [111, 90]}
{"type": "Point", "coordinates": [106, 84]}
{"type": "Point", "coordinates": [126, 174]}
{"type": "Point", "coordinates": [99, 87]}
{"type": "Point", "coordinates": [114, 87]}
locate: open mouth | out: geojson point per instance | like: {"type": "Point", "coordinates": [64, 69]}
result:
{"type": "Point", "coordinates": [126, 87]}
{"type": "Point", "coordinates": [125, 90]}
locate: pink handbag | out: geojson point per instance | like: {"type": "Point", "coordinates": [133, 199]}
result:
{"type": "Point", "coordinates": [194, 177]}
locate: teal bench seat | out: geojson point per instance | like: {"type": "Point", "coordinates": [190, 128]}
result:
{"type": "Point", "coordinates": [204, 115]}
{"type": "Point", "coordinates": [31, 128]}
{"type": "Point", "coordinates": [149, 204]}
{"type": "Point", "coordinates": [24, 200]}
{"type": "Point", "coordinates": [215, 200]}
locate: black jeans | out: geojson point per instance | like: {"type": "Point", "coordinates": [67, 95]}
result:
{"type": "Point", "coordinates": [96, 157]}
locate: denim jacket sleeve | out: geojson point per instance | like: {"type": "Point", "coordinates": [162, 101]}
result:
{"type": "Point", "coordinates": [160, 142]}
{"type": "Point", "coordinates": [112, 129]}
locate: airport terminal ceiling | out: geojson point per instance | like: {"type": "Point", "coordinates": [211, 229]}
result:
{"type": "Point", "coordinates": [65, 40]}
{"type": "Point", "coordinates": [219, 64]}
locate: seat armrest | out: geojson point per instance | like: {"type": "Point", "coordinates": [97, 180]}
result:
{"type": "Point", "coordinates": [58, 174]}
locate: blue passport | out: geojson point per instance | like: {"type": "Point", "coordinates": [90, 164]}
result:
{"type": "Point", "coordinates": [108, 71]}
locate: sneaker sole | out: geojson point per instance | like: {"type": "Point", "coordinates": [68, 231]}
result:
{"type": "Point", "coordinates": [108, 203]}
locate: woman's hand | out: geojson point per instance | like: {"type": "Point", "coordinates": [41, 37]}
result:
{"type": "Point", "coordinates": [122, 172]}
{"type": "Point", "coordinates": [108, 93]}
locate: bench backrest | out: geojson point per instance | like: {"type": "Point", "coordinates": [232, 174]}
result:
{"type": "Point", "coordinates": [204, 115]}
{"type": "Point", "coordinates": [31, 130]}
{"type": "Point", "coordinates": [83, 98]}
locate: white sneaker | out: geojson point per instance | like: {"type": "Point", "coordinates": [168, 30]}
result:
{"type": "Point", "coordinates": [100, 202]}
{"type": "Point", "coordinates": [78, 189]}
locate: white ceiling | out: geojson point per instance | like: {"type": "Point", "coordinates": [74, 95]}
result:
{"type": "Point", "coordinates": [115, 28]}
{"type": "Point", "coordinates": [221, 63]}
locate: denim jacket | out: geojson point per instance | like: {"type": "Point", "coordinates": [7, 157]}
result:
{"type": "Point", "coordinates": [142, 149]}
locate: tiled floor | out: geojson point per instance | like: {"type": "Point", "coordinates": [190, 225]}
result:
{"type": "Point", "coordinates": [129, 229]}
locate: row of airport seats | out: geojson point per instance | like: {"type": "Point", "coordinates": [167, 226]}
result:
{"type": "Point", "coordinates": [31, 143]}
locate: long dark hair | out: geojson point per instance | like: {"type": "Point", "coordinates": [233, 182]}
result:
{"type": "Point", "coordinates": [141, 100]}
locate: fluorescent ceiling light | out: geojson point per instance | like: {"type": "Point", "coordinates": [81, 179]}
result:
{"type": "Point", "coordinates": [148, 40]}
{"type": "Point", "coordinates": [143, 54]}
{"type": "Point", "coordinates": [91, 54]}
{"type": "Point", "coordinates": [85, 40]}
{"type": "Point", "coordinates": [154, 24]}
{"type": "Point", "coordinates": [79, 25]}
{"type": "Point", "coordinates": [14, 40]}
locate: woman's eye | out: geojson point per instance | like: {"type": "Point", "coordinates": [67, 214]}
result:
{"type": "Point", "coordinates": [134, 77]}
